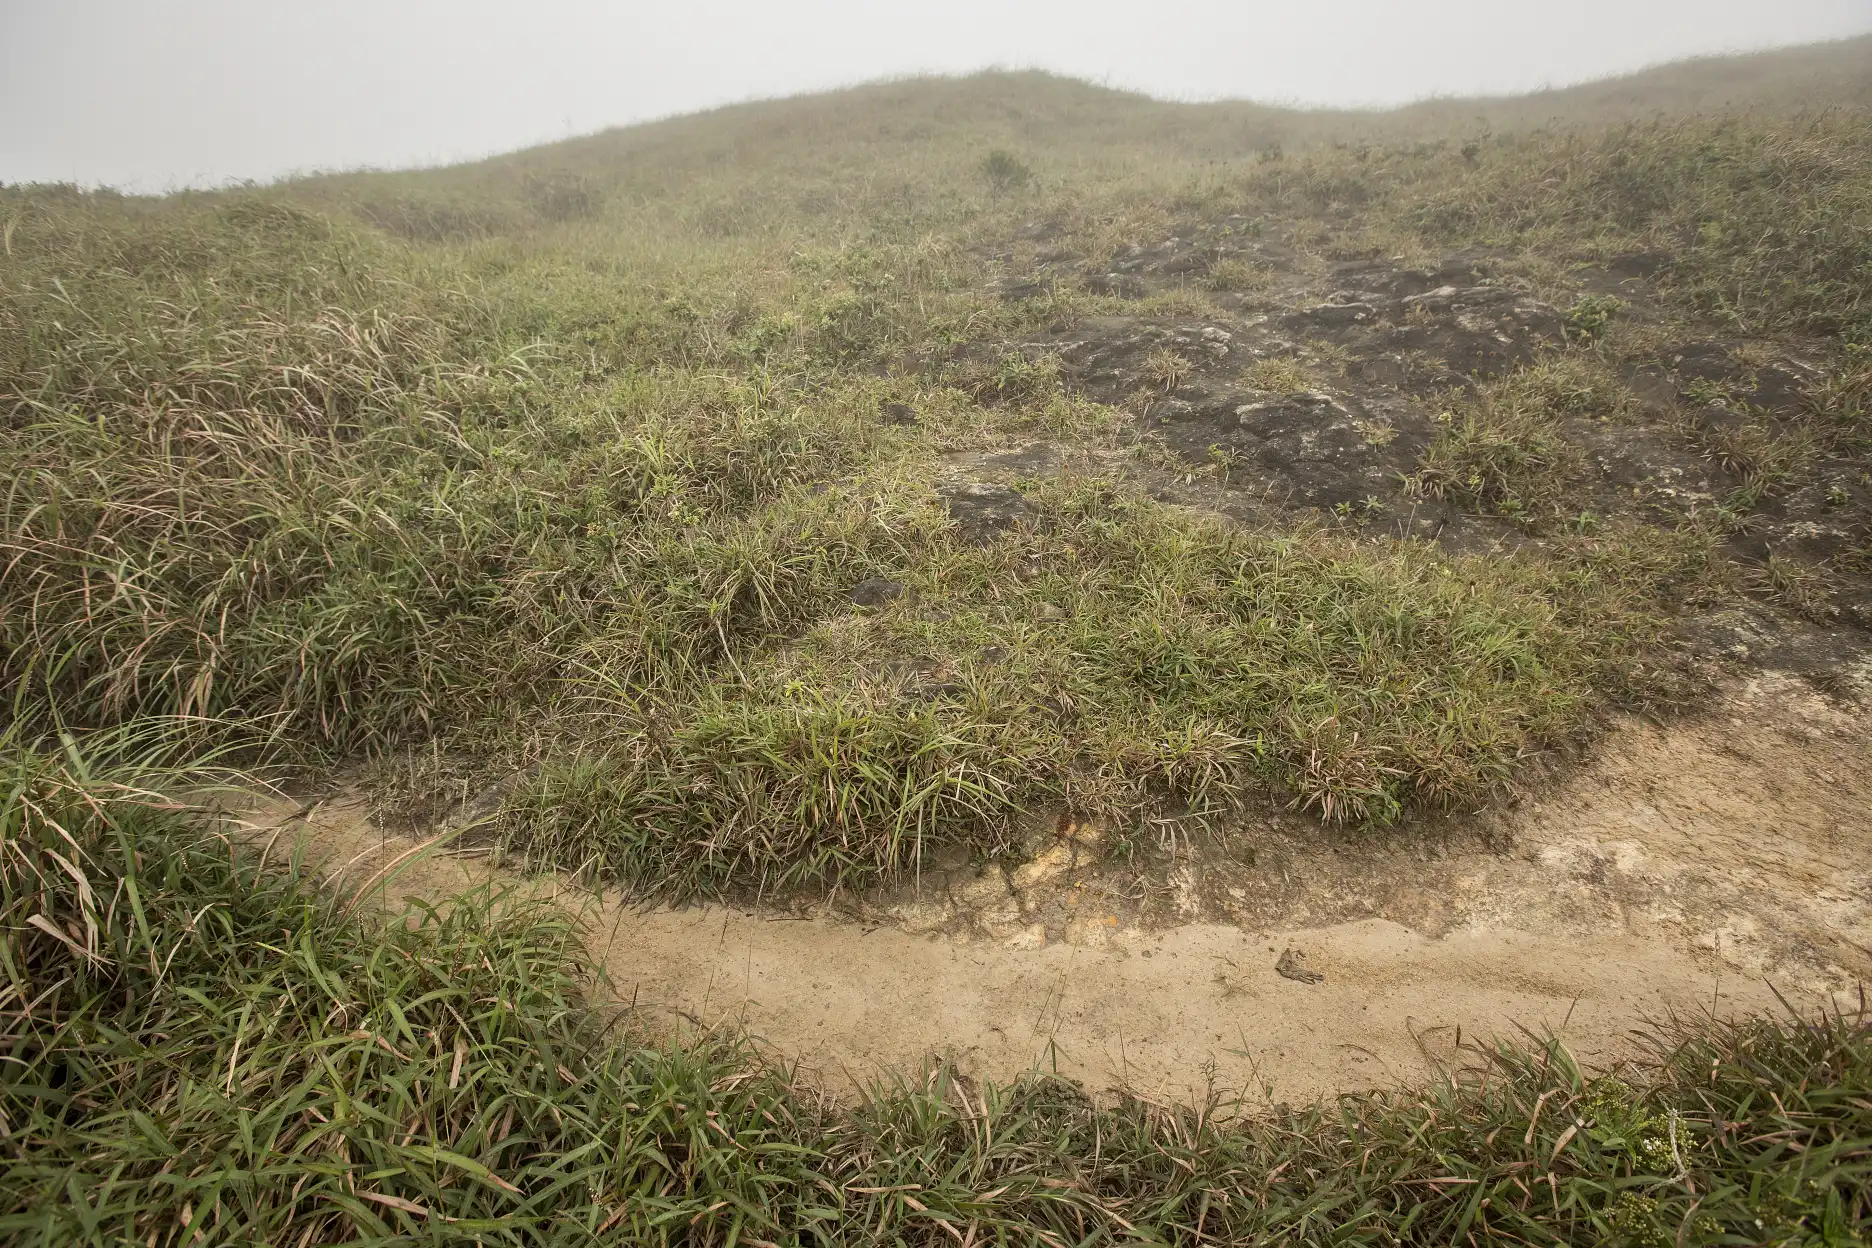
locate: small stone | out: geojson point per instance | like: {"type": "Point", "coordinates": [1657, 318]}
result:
{"type": "Point", "coordinates": [982, 510]}
{"type": "Point", "coordinates": [1046, 867]}
{"type": "Point", "coordinates": [1032, 936]}
{"type": "Point", "coordinates": [877, 591]}
{"type": "Point", "coordinates": [1292, 965]}
{"type": "Point", "coordinates": [1430, 298]}
{"type": "Point", "coordinates": [985, 889]}
{"type": "Point", "coordinates": [919, 918]}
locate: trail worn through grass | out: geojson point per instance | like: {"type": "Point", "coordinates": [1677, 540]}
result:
{"type": "Point", "coordinates": [1704, 866]}
{"type": "Point", "coordinates": [1069, 582]}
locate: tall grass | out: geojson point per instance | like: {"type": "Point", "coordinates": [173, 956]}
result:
{"type": "Point", "coordinates": [270, 471]}
{"type": "Point", "coordinates": [575, 481]}
{"type": "Point", "coordinates": [198, 1047]}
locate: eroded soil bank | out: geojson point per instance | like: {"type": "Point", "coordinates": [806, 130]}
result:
{"type": "Point", "coordinates": [1702, 866]}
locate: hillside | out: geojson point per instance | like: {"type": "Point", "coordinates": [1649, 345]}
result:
{"type": "Point", "coordinates": [915, 136]}
{"type": "Point", "coordinates": [1011, 511]}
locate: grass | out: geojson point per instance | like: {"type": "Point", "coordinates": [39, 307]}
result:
{"type": "Point", "coordinates": [1504, 447]}
{"type": "Point", "coordinates": [201, 1047]}
{"type": "Point", "coordinates": [552, 477]}
{"type": "Point", "coordinates": [565, 465]}
{"type": "Point", "coordinates": [1113, 656]}
{"type": "Point", "coordinates": [341, 529]}
{"type": "Point", "coordinates": [273, 467]}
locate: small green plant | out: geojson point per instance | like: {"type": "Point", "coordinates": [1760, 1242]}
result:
{"type": "Point", "coordinates": [1239, 275]}
{"type": "Point", "coordinates": [1005, 172]}
{"type": "Point", "coordinates": [1708, 392]}
{"type": "Point", "coordinates": [1590, 317]}
{"type": "Point", "coordinates": [1802, 587]}
{"type": "Point", "coordinates": [1505, 457]}
{"type": "Point", "coordinates": [1279, 374]}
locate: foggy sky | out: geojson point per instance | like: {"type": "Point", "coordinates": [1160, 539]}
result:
{"type": "Point", "coordinates": [149, 94]}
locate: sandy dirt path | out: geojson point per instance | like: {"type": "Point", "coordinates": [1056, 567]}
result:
{"type": "Point", "coordinates": [1695, 868]}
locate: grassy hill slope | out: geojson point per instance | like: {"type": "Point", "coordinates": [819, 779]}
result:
{"type": "Point", "coordinates": [624, 466]}
{"type": "Point", "coordinates": [774, 497]}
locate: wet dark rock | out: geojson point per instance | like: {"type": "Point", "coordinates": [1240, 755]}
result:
{"type": "Point", "coordinates": [1638, 264]}
{"type": "Point", "coordinates": [1704, 361]}
{"type": "Point", "coordinates": [983, 511]}
{"type": "Point", "coordinates": [1652, 388]}
{"type": "Point", "coordinates": [1438, 300]}
{"type": "Point", "coordinates": [1388, 345]}
{"type": "Point", "coordinates": [877, 591]}
{"type": "Point", "coordinates": [1381, 370]}
{"type": "Point", "coordinates": [1312, 448]}
{"type": "Point", "coordinates": [1448, 299]}
{"type": "Point", "coordinates": [1122, 285]}
{"type": "Point", "coordinates": [1041, 459]}
{"type": "Point", "coordinates": [1778, 390]}
{"type": "Point", "coordinates": [1780, 387]}
{"type": "Point", "coordinates": [1718, 421]}
{"type": "Point", "coordinates": [1337, 314]}
{"type": "Point", "coordinates": [1752, 634]}
{"type": "Point", "coordinates": [1476, 343]}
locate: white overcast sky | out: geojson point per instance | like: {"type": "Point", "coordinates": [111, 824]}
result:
{"type": "Point", "coordinates": [153, 94]}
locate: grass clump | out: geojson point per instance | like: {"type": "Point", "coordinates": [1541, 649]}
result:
{"type": "Point", "coordinates": [1504, 448]}
{"type": "Point", "coordinates": [1006, 172]}
{"type": "Point", "coordinates": [1107, 656]}
{"type": "Point", "coordinates": [356, 497]}
{"type": "Point", "coordinates": [215, 1052]}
